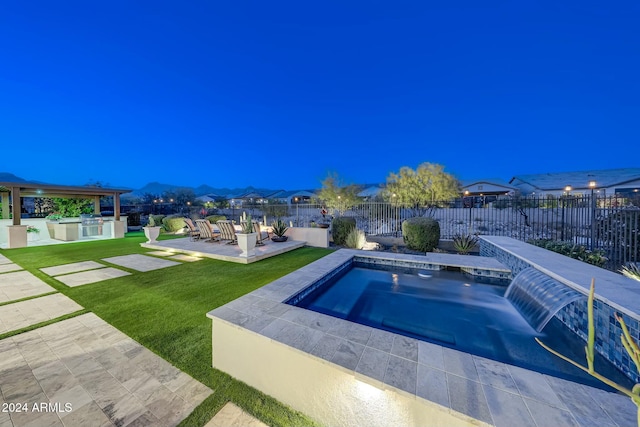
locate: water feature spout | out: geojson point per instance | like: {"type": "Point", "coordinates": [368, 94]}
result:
{"type": "Point", "coordinates": [539, 297]}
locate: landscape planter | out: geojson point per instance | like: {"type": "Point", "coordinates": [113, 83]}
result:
{"type": "Point", "coordinates": [51, 229]}
{"type": "Point", "coordinates": [279, 238]}
{"type": "Point", "coordinates": [151, 233]}
{"type": "Point", "coordinates": [247, 243]}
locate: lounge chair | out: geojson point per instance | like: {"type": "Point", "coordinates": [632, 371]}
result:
{"type": "Point", "coordinates": [206, 231]}
{"type": "Point", "coordinates": [194, 233]}
{"type": "Point", "coordinates": [227, 231]}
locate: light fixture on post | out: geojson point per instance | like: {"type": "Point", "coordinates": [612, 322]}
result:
{"type": "Point", "coordinates": [592, 186]}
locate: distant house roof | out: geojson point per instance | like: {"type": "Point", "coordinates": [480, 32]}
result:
{"type": "Point", "coordinates": [293, 193]}
{"type": "Point", "coordinates": [579, 179]}
{"type": "Point", "coordinates": [494, 181]}
{"type": "Point", "coordinates": [370, 191]}
{"type": "Point", "coordinates": [210, 198]}
{"type": "Point", "coordinates": [258, 195]}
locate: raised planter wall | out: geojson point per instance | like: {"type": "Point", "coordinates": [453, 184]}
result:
{"type": "Point", "coordinates": [317, 237]}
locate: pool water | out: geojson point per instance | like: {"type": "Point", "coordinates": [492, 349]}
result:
{"type": "Point", "coordinates": [454, 310]}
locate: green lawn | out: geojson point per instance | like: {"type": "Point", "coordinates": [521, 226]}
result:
{"type": "Point", "coordinates": [165, 310]}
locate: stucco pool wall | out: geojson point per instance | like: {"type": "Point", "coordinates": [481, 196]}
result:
{"type": "Point", "coordinates": [614, 294]}
{"type": "Point", "coordinates": [330, 368]}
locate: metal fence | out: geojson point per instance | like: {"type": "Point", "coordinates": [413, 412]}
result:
{"type": "Point", "coordinates": [609, 224]}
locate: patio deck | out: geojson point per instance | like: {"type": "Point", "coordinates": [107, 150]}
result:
{"type": "Point", "coordinates": [223, 251]}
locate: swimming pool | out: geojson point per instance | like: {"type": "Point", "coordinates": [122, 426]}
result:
{"type": "Point", "coordinates": [449, 308]}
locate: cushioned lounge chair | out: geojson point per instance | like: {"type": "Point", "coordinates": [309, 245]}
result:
{"type": "Point", "coordinates": [194, 233]}
{"type": "Point", "coordinates": [227, 231]}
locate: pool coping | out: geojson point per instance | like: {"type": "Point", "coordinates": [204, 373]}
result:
{"type": "Point", "coordinates": [392, 361]}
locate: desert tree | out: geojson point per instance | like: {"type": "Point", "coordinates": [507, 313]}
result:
{"type": "Point", "coordinates": [422, 189]}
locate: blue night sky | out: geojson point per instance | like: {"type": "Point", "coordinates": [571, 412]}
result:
{"type": "Point", "coordinates": [277, 94]}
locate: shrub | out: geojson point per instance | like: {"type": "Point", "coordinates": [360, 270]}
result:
{"type": "Point", "coordinates": [173, 223]}
{"type": "Point", "coordinates": [155, 220]}
{"type": "Point", "coordinates": [342, 226]}
{"type": "Point", "coordinates": [133, 219]}
{"type": "Point", "coordinates": [215, 218]}
{"type": "Point", "coordinates": [421, 234]}
{"type": "Point", "coordinates": [355, 239]}
{"type": "Point", "coordinates": [579, 252]}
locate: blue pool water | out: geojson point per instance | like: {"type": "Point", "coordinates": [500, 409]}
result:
{"type": "Point", "coordinates": [454, 310]}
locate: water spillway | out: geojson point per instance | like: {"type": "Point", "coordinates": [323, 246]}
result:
{"type": "Point", "coordinates": [539, 297]}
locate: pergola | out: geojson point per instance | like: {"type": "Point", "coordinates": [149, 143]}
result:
{"type": "Point", "coordinates": [18, 190]}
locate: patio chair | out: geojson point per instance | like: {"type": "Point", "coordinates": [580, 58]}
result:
{"type": "Point", "coordinates": [206, 231]}
{"type": "Point", "coordinates": [194, 233]}
{"type": "Point", "coordinates": [227, 231]}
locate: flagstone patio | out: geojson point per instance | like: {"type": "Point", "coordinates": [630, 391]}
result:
{"type": "Point", "coordinates": [95, 374]}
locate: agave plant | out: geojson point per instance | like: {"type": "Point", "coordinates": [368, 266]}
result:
{"type": "Point", "coordinates": [279, 227]}
{"type": "Point", "coordinates": [631, 271]}
{"type": "Point", "coordinates": [464, 243]}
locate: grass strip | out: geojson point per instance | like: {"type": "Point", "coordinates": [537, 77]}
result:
{"type": "Point", "coordinates": [27, 298]}
{"type": "Point", "coordinates": [41, 324]}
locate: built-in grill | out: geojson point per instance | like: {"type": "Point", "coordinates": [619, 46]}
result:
{"type": "Point", "coordinates": [91, 225]}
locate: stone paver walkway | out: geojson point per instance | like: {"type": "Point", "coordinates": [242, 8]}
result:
{"type": "Point", "coordinates": [21, 284]}
{"type": "Point", "coordinates": [26, 313]}
{"type": "Point", "coordinates": [91, 276]}
{"type": "Point", "coordinates": [4, 260]}
{"type": "Point", "coordinates": [5, 268]}
{"type": "Point", "coordinates": [232, 416]}
{"type": "Point", "coordinates": [71, 268]}
{"type": "Point", "coordinates": [93, 375]}
{"type": "Point", "coordinates": [140, 262]}
{"type": "Point", "coordinates": [160, 253]}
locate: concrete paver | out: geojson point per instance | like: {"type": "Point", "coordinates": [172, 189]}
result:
{"type": "Point", "coordinates": [95, 374]}
{"type": "Point", "coordinates": [140, 262]}
{"type": "Point", "coordinates": [21, 284]}
{"type": "Point", "coordinates": [26, 313]}
{"type": "Point", "coordinates": [184, 257]}
{"type": "Point", "coordinates": [232, 416]}
{"type": "Point", "coordinates": [4, 260]}
{"type": "Point", "coordinates": [71, 268]}
{"type": "Point", "coordinates": [91, 276]}
{"type": "Point", "coordinates": [161, 253]}
{"type": "Point", "coordinates": [5, 268]}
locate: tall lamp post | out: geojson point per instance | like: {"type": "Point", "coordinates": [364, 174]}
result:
{"type": "Point", "coordinates": [297, 213]}
{"type": "Point", "coordinates": [466, 194]}
{"type": "Point", "coordinates": [592, 186]}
